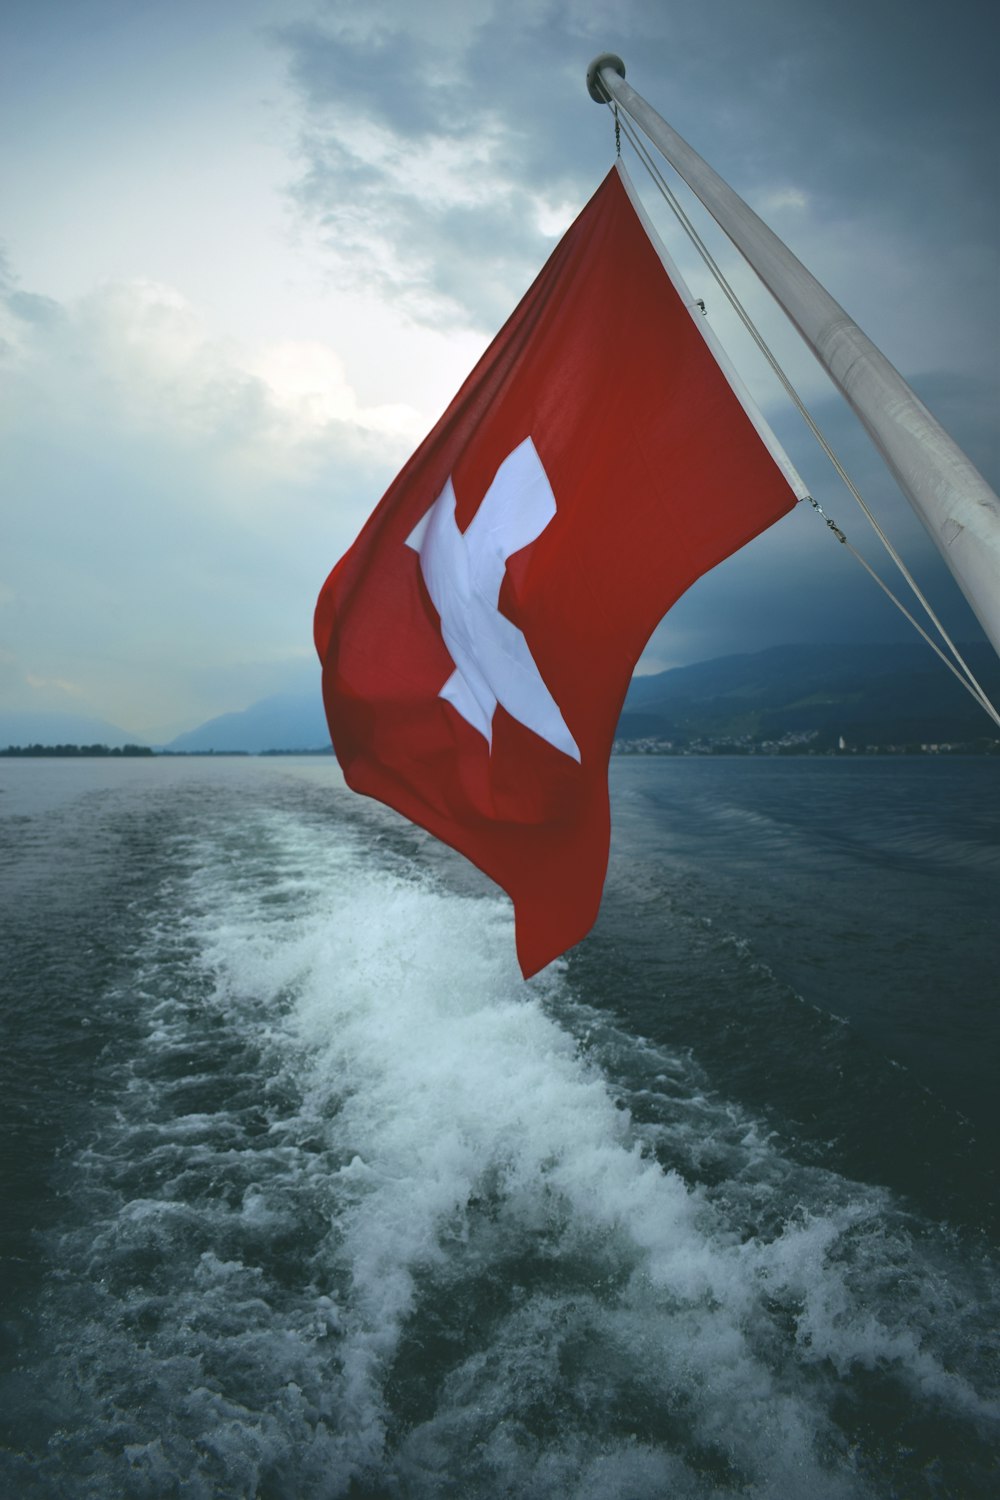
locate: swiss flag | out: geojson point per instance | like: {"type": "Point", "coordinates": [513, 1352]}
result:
{"type": "Point", "coordinates": [478, 638]}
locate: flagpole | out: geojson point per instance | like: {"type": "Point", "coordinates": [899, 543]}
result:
{"type": "Point", "coordinates": [957, 506]}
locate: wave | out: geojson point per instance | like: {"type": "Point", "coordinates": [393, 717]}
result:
{"type": "Point", "coordinates": [362, 1214]}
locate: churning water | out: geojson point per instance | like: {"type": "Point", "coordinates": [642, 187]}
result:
{"type": "Point", "coordinates": [308, 1195]}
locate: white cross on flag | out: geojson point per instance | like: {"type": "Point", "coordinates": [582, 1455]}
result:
{"type": "Point", "coordinates": [478, 638]}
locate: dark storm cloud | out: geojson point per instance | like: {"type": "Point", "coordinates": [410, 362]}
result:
{"type": "Point", "coordinates": [876, 125]}
{"type": "Point", "coordinates": [466, 252]}
{"type": "Point", "coordinates": [797, 582]}
{"type": "Point", "coordinates": [884, 113]}
{"type": "Point", "coordinates": [447, 262]}
{"type": "Point", "coordinates": [382, 74]}
{"type": "Point", "coordinates": [432, 153]}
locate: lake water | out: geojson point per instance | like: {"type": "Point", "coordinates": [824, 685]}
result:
{"type": "Point", "coordinates": [306, 1194]}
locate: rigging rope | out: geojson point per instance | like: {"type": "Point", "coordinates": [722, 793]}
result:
{"type": "Point", "coordinates": [979, 696]}
{"type": "Point", "coordinates": [956, 664]}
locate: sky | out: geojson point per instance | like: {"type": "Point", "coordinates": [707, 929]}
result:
{"type": "Point", "coordinates": [251, 248]}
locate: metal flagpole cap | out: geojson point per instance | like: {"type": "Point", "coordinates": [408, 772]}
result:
{"type": "Point", "coordinates": [595, 88]}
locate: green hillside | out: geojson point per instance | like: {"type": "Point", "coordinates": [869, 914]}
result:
{"type": "Point", "coordinates": [866, 695]}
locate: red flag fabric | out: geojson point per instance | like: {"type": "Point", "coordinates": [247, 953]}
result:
{"type": "Point", "coordinates": [478, 638]}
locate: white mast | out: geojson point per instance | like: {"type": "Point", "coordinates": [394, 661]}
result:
{"type": "Point", "coordinates": [957, 506]}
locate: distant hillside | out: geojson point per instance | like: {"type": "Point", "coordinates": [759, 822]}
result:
{"type": "Point", "coordinates": [288, 721]}
{"type": "Point", "coordinates": [871, 695]}
{"type": "Point", "coordinates": [61, 729]}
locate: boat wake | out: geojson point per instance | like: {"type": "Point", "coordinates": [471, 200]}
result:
{"type": "Point", "coordinates": [362, 1214]}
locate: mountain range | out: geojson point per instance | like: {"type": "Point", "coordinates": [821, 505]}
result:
{"type": "Point", "coordinates": [868, 695]}
{"type": "Point", "coordinates": [286, 722]}
{"type": "Point", "coordinates": [25, 728]}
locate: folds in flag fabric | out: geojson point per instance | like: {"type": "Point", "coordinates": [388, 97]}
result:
{"type": "Point", "coordinates": [478, 638]}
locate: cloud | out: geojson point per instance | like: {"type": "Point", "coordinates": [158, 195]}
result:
{"type": "Point", "coordinates": [71, 689]}
{"type": "Point", "coordinates": [175, 500]}
{"type": "Point", "coordinates": [137, 359]}
{"type": "Point", "coordinates": [179, 471]}
{"type": "Point", "coordinates": [391, 66]}
{"type": "Point", "coordinates": [780, 199]}
{"type": "Point", "coordinates": [33, 308]}
{"type": "Point", "coordinates": [439, 226]}
{"type": "Point", "coordinates": [422, 173]}
{"type": "Point", "coordinates": [440, 167]}
{"type": "Point", "coordinates": [442, 154]}
{"type": "Point", "coordinates": [307, 385]}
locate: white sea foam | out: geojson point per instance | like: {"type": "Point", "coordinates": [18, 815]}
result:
{"type": "Point", "coordinates": [414, 1238]}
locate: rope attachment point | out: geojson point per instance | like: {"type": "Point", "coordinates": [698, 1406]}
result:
{"type": "Point", "coordinates": [595, 85]}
